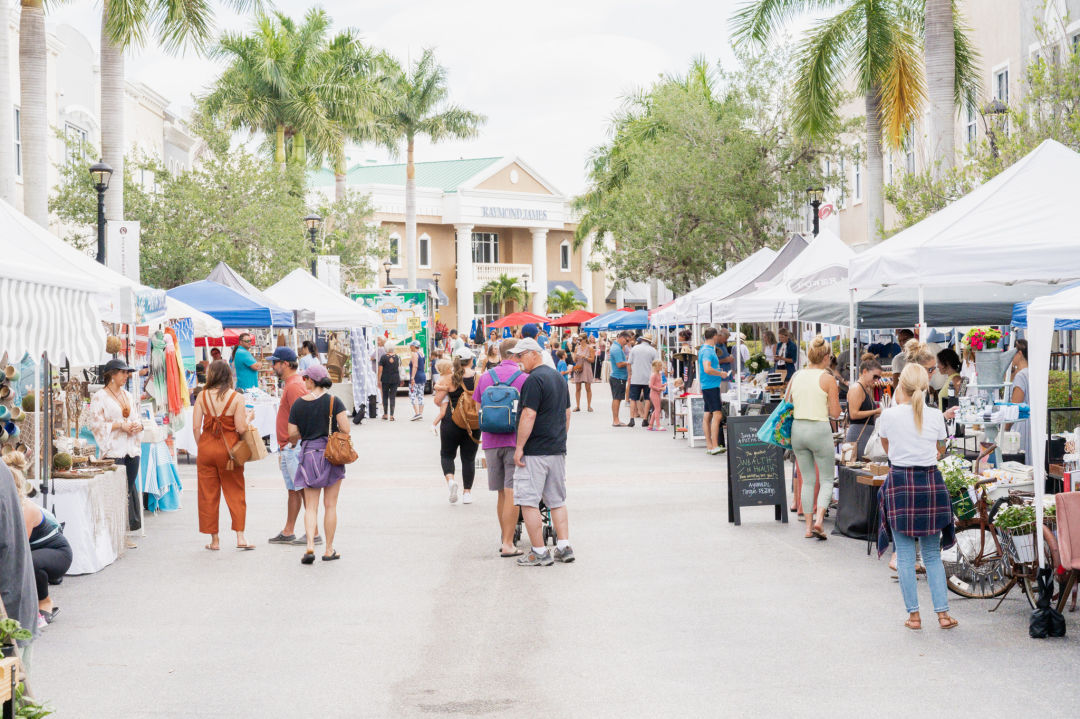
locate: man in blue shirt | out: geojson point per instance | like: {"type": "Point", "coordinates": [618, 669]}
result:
{"type": "Point", "coordinates": [618, 375]}
{"type": "Point", "coordinates": [245, 366]}
{"type": "Point", "coordinates": [711, 377]}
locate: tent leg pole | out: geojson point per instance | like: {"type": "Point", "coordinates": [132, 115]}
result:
{"type": "Point", "coordinates": [852, 370]}
{"type": "Point", "coordinates": [922, 316]}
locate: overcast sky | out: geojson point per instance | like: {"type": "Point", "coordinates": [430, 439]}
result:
{"type": "Point", "coordinates": [547, 75]}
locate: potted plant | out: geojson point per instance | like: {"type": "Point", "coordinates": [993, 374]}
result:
{"type": "Point", "coordinates": [757, 363]}
{"type": "Point", "coordinates": [956, 471]}
{"type": "Point", "coordinates": [1016, 523]}
{"type": "Point", "coordinates": [990, 362]}
{"type": "Point", "coordinates": [10, 632]}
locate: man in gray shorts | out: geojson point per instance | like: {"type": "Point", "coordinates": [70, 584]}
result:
{"type": "Point", "coordinates": [540, 454]}
{"type": "Point", "coordinates": [499, 448]}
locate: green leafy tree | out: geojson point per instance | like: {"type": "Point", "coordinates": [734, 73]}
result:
{"type": "Point", "coordinates": [419, 107]}
{"type": "Point", "coordinates": [346, 232]}
{"type": "Point", "coordinates": [505, 289]}
{"type": "Point", "coordinates": [561, 302]}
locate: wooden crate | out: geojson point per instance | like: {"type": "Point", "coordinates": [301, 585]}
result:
{"type": "Point", "coordinates": [7, 680]}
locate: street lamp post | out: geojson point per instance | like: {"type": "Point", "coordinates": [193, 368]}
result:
{"type": "Point", "coordinates": [435, 276]}
{"type": "Point", "coordinates": [386, 266]}
{"type": "Point", "coordinates": [815, 195]}
{"type": "Point", "coordinates": [996, 109]}
{"type": "Point", "coordinates": [101, 174]}
{"type": "Point", "coordinates": [313, 221]}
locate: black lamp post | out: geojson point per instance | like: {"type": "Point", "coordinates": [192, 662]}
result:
{"type": "Point", "coordinates": [386, 266]}
{"type": "Point", "coordinates": [815, 195]}
{"type": "Point", "coordinates": [101, 174]}
{"type": "Point", "coordinates": [435, 276]}
{"type": "Point", "coordinates": [312, 222]}
{"type": "Point", "coordinates": [995, 109]}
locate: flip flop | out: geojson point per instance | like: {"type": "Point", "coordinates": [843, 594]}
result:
{"type": "Point", "coordinates": [590, 409]}
{"type": "Point", "coordinates": [820, 534]}
{"type": "Point", "coordinates": [620, 424]}
{"type": "Point", "coordinates": [308, 558]}
{"type": "Point", "coordinates": [332, 557]}
{"type": "Point", "coordinates": [515, 553]}
{"type": "Point", "coordinates": [245, 547]}
{"type": "Point", "coordinates": [212, 549]}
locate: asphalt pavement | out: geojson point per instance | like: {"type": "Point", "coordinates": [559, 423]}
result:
{"type": "Point", "coordinates": [669, 610]}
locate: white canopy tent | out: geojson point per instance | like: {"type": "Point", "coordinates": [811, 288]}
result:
{"type": "Point", "coordinates": [824, 262]}
{"type": "Point", "coordinates": [684, 309]}
{"type": "Point", "coordinates": [298, 290]}
{"type": "Point", "coordinates": [203, 324]}
{"type": "Point", "coordinates": [1016, 227]}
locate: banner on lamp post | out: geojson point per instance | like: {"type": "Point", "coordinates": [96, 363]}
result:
{"type": "Point", "coordinates": [328, 271]}
{"type": "Point", "coordinates": [122, 247]}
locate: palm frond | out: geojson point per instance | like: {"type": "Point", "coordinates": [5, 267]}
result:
{"type": "Point", "coordinates": [755, 21]}
{"type": "Point", "coordinates": [820, 73]}
{"type": "Point", "coordinates": [903, 86]}
{"type": "Point", "coordinates": [966, 88]}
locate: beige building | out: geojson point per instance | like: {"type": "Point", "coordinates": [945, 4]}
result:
{"type": "Point", "coordinates": [478, 219]}
{"type": "Point", "coordinates": [1005, 34]}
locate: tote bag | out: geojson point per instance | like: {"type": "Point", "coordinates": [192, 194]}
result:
{"type": "Point", "coordinates": [777, 428]}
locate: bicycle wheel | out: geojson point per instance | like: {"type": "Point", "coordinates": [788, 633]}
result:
{"type": "Point", "coordinates": [970, 575]}
{"type": "Point", "coordinates": [1051, 559]}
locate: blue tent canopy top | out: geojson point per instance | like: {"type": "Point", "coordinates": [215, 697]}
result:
{"type": "Point", "coordinates": [1019, 318]}
{"type": "Point", "coordinates": [230, 307]}
{"type": "Point", "coordinates": [637, 320]}
{"type": "Point", "coordinates": [600, 322]}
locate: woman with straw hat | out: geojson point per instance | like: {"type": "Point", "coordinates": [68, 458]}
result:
{"type": "Point", "coordinates": [114, 421]}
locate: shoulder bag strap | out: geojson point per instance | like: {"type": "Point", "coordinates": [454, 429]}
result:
{"type": "Point", "coordinates": [330, 426]}
{"type": "Point", "coordinates": [494, 377]}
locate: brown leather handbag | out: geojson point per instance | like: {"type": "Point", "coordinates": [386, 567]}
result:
{"type": "Point", "coordinates": [339, 450]}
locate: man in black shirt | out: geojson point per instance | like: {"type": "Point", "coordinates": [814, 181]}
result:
{"type": "Point", "coordinates": [540, 454]}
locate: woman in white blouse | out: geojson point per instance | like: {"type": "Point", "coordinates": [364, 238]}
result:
{"type": "Point", "coordinates": [114, 420]}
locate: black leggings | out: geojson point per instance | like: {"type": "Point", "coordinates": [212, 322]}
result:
{"type": "Point", "coordinates": [132, 466]}
{"type": "Point", "coordinates": [50, 563]}
{"type": "Point", "coordinates": [452, 439]}
{"type": "Point", "coordinates": [389, 398]}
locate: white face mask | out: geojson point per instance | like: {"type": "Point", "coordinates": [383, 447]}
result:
{"type": "Point", "coordinates": [938, 380]}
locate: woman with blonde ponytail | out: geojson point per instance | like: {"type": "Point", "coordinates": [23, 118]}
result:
{"type": "Point", "coordinates": [816, 399]}
{"type": "Point", "coordinates": [915, 506]}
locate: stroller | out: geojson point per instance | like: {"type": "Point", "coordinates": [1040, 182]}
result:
{"type": "Point", "coordinates": [547, 527]}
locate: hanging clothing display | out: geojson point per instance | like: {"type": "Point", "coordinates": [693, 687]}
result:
{"type": "Point", "coordinates": [156, 385]}
{"type": "Point", "coordinates": [363, 376]}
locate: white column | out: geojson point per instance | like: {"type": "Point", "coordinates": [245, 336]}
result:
{"type": "Point", "coordinates": [586, 273]}
{"type": "Point", "coordinates": [464, 279]}
{"type": "Point", "coordinates": [539, 270]}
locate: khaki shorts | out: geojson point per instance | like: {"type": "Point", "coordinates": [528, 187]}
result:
{"type": "Point", "coordinates": [541, 477]}
{"type": "Point", "coordinates": [500, 468]}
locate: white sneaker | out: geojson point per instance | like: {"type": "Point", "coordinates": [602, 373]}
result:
{"type": "Point", "coordinates": [453, 491]}
{"type": "Point", "coordinates": [466, 497]}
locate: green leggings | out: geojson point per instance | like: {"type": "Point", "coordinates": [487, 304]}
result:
{"type": "Point", "coordinates": [812, 443]}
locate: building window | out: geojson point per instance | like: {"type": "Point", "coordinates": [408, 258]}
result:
{"type": "Point", "coordinates": [842, 200]}
{"type": "Point", "coordinates": [1001, 85]}
{"type": "Point", "coordinates": [395, 250]}
{"type": "Point", "coordinates": [564, 256]}
{"type": "Point", "coordinates": [425, 251]}
{"type": "Point", "coordinates": [971, 126]}
{"type": "Point", "coordinates": [485, 247]}
{"type": "Point", "coordinates": [484, 309]}
{"type": "Point", "coordinates": [75, 145]}
{"type": "Point", "coordinates": [892, 168]}
{"type": "Point", "coordinates": [18, 145]}
{"type": "Point", "coordinates": [858, 180]}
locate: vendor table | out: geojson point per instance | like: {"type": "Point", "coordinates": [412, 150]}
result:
{"type": "Point", "coordinates": [159, 480]}
{"type": "Point", "coordinates": [265, 421]}
{"type": "Point", "coordinates": [94, 514]}
{"type": "Point", "coordinates": [856, 512]}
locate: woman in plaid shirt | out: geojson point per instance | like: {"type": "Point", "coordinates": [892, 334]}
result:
{"type": "Point", "coordinates": [915, 505]}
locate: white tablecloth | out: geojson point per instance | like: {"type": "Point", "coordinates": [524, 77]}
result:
{"type": "Point", "coordinates": [94, 514]}
{"type": "Point", "coordinates": [265, 421]}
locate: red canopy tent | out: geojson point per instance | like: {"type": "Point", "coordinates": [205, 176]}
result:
{"type": "Point", "coordinates": [231, 339]}
{"type": "Point", "coordinates": [574, 319]}
{"type": "Point", "coordinates": [519, 318]}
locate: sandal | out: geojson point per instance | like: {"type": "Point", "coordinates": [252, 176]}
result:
{"type": "Point", "coordinates": [308, 558]}
{"type": "Point", "coordinates": [245, 547]}
{"type": "Point", "coordinates": [331, 557]}
{"type": "Point", "coordinates": [212, 548]}
{"type": "Point", "coordinates": [946, 622]}
{"type": "Point", "coordinates": [515, 553]}
{"type": "Point", "coordinates": [819, 532]}
{"type": "Point", "coordinates": [914, 622]}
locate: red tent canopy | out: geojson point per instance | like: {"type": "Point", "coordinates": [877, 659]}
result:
{"type": "Point", "coordinates": [574, 319]}
{"type": "Point", "coordinates": [231, 339]}
{"type": "Point", "coordinates": [519, 318]}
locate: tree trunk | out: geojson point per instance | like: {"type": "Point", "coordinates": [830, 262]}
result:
{"type": "Point", "coordinates": [410, 213]}
{"type": "Point", "coordinates": [299, 149]}
{"type": "Point", "coordinates": [7, 113]}
{"type": "Point", "coordinates": [339, 173]}
{"type": "Point", "coordinates": [940, 51]}
{"type": "Point", "coordinates": [875, 174]}
{"type": "Point", "coordinates": [33, 111]}
{"type": "Point", "coordinates": [279, 146]}
{"type": "Point", "coordinates": [112, 119]}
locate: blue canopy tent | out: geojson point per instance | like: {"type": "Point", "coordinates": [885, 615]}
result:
{"type": "Point", "coordinates": [1019, 317]}
{"type": "Point", "coordinates": [230, 307]}
{"type": "Point", "coordinates": [637, 320]}
{"type": "Point", "coordinates": [600, 323]}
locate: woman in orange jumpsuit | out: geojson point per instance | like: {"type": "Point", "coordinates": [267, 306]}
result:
{"type": "Point", "coordinates": [219, 419]}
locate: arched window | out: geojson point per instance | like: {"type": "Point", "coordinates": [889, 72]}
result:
{"type": "Point", "coordinates": [425, 250]}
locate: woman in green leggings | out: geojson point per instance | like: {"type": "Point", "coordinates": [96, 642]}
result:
{"type": "Point", "coordinates": [817, 399]}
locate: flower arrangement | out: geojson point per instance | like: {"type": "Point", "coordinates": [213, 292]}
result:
{"type": "Point", "coordinates": [758, 363]}
{"type": "Point", "coordinates": [956, 471]}
{"type": "Point", "coordinates": [982, 338]}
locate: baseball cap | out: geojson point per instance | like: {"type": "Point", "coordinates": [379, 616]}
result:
{"type": "Point", "coordinates": [526, 345]}
{"type": "Point", "coordinates": [464, 353]}
{"type": "Point", "coordinates": [530, 330]}
{"type": "Point", "coordinates": [414, 343]}
{"type": "Point", "coordinates": [315, 373]}
{"type": "Point", "coordinates": [283, 354]}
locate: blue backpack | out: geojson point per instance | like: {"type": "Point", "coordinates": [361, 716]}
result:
{"type": "Point", "coordinates": [499, 405]}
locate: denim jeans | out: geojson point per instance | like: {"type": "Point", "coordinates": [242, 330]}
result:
{"type": "Point", "coordinates": [935, 571]}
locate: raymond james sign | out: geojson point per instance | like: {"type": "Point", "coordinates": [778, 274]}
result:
{"type": "Point", "coordinates": [513, 213]}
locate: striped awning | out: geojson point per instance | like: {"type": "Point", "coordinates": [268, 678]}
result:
{"type": "Point", "coordinates": [37, 318]}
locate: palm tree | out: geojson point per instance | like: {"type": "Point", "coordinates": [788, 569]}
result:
{"type": "Point", "coordinates": [560, 302]}
{"type": "Point", "coordinates": [505, 289]}
{"type": "Point", "coordinates": [169, 23]}
{"type": "Point", "coordinates": [951, 77]}
{"type": "Point", "coordinates": [33, 115]}
{"type": "Point", "coordinates": [418, 107]}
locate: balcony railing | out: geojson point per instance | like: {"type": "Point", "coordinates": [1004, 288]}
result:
{"type": "Point", "coordinates": [484, 272]}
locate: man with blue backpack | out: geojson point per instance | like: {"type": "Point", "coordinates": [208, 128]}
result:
{"type": "Point", "coordinates": [497, 396]}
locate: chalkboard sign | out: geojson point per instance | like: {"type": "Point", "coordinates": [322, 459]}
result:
{"type": "Point", "coordinates": [697, 417]}
{"type": "Point", "coordinates": [755, 469]}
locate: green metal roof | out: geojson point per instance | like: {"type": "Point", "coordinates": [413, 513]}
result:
{"type": "Point", "coordinates": [447, 175]}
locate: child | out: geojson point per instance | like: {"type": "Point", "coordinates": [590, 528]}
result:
{"type": "Point", "coordinates": [656, 387]}
{"type": "Point", "coordinates": [563, 368]}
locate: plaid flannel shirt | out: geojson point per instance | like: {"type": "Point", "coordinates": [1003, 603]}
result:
{"type": "Point", "coordinates": [914, 502]}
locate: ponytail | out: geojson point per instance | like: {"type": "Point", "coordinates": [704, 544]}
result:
{"type": "Point", "coordinates": [918, 401]}
{"type": "Point", "coordinates": [914, 382]}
